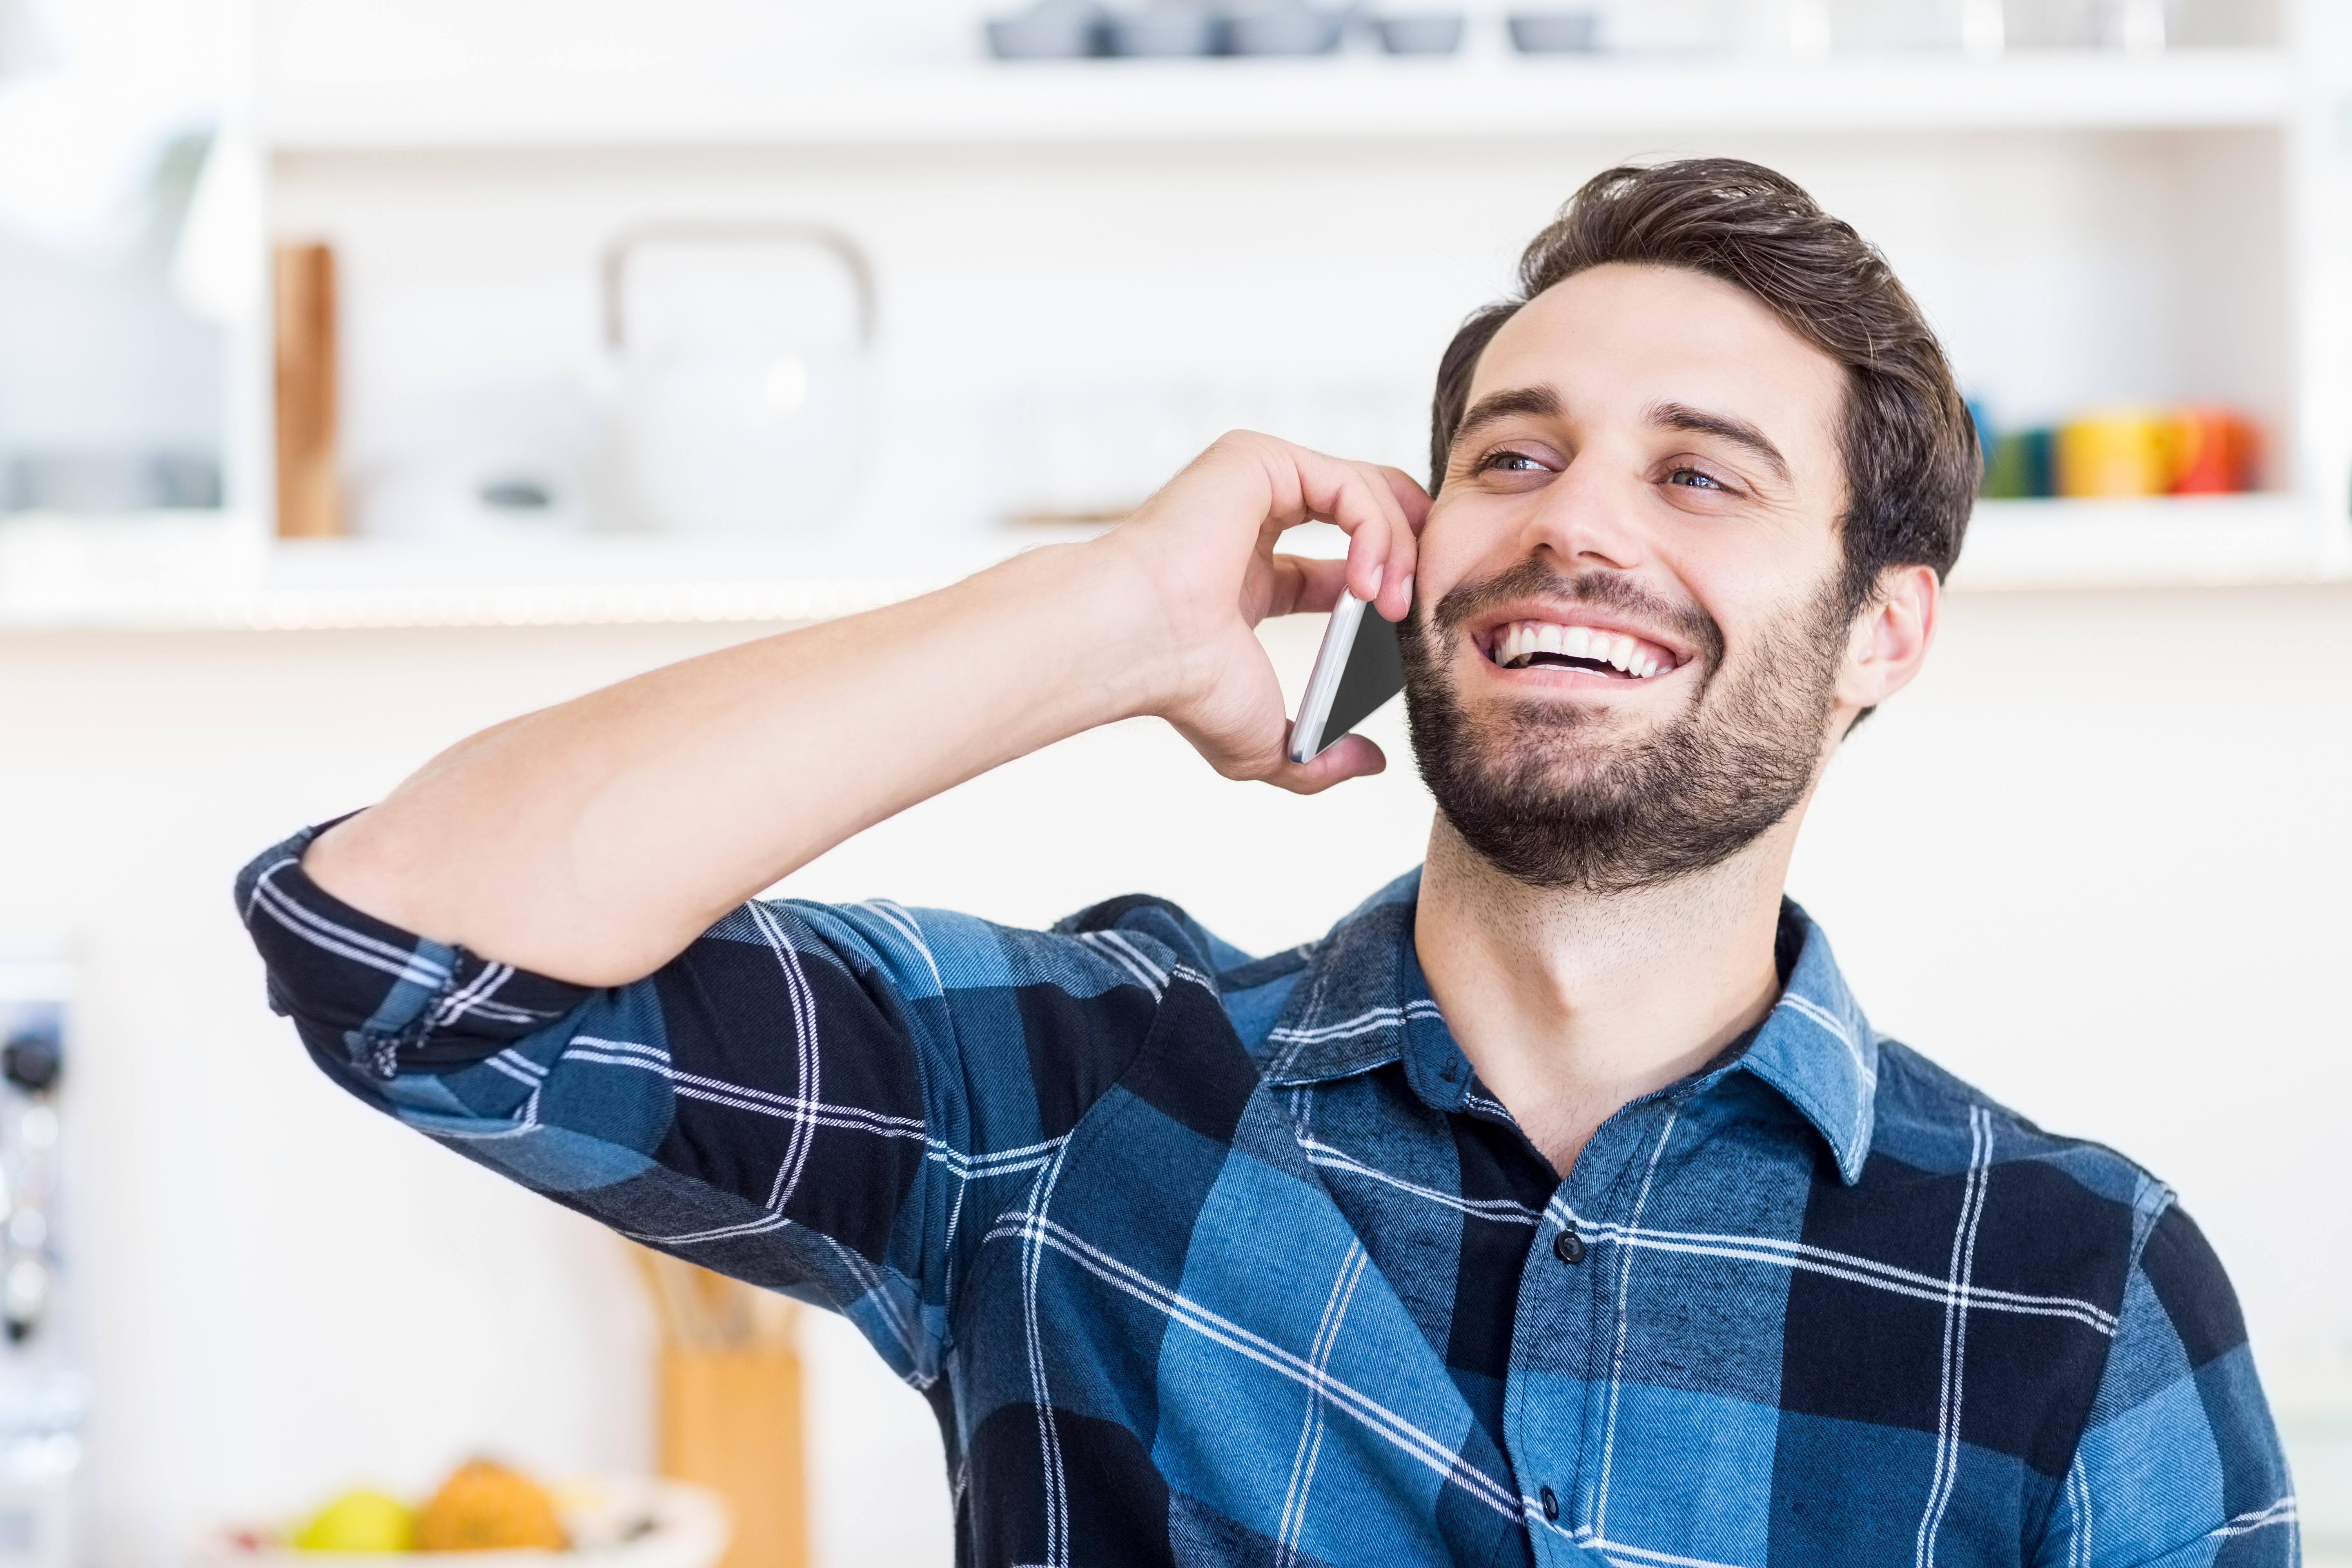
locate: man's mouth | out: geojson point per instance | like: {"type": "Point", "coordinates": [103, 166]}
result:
{"type": "Point", "coordinates": [1565, 644]}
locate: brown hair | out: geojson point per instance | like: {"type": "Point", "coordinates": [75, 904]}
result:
{"type": "Point", "coordinates": [1909, 445]}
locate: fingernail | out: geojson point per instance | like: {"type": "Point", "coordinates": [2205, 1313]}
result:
{"type": "Point", "coordinates": [1375, 594]}
{"type": "Point", "coordinates": [1408, 591]}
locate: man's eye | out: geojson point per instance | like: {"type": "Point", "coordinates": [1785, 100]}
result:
{"type": "Point", "coordinates": [1516, 462]}
{"type": "Point", "coordinates": [1695, 481]}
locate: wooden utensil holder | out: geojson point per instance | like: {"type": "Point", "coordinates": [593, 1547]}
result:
{"type": "Point", "coordinates": [730, 1420]}
{"type": "Point", "coordinates": [731, 1404]}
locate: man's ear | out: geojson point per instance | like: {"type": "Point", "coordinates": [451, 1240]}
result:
{"type": "Point", "coordinates": [1890, 637]}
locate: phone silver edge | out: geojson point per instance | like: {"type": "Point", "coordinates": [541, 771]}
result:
{"type": "Point", "coordinates": [1323, 683]}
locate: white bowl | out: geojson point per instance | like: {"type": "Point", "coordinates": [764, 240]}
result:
{"type": "Point", "coordinates": [615, 1521]}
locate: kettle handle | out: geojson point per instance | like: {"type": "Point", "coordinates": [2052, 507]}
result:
{"type": "Point", "coordinates": [725, 232]}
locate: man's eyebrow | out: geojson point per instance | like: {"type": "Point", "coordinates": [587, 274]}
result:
{"type": "Point", "coordinates": [1698, 422]}
{"type": "Point", "coordinates": [1539, 401]}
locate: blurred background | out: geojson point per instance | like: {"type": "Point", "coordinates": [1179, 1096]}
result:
{"type": "Point", "coordinates": [372, 370]}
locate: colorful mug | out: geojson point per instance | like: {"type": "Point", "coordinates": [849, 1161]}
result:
{"type": "Point", "coordinates": [2116, 452]}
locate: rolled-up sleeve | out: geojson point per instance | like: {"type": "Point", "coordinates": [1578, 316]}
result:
{"type": "Point", "coordinates": [827, 1100]}
{"type": "Point", "coordinates": [2179, 1463]}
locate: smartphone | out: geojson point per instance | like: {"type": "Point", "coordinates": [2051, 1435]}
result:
{"type": "Point", "coordinates": [1358, 668]}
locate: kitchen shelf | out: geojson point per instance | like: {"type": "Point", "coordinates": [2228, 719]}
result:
{"type": "Point", "coordinates": [2166, 541]}
{"type": "Point", "coordinates": [220, 571]}
{"type": "Point", "coordinates": [216, 572]}
{"type": "Point", "coordinates": [342, 99]}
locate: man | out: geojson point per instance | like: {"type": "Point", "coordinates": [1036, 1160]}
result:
{"type": "Point", "coordinates": [1560, 1204]}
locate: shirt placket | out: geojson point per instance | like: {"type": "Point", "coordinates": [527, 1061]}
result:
{"type": "Point", "coordinates": [1566, 1330]}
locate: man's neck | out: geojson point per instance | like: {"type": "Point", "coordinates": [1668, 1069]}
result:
{"type": "Point", "coordinates": [1570, 1005]}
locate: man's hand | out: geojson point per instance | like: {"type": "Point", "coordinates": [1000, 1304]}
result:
{"type": "Point", "coordinates": [592, 841]}
{"type": "Point", "coordinates": [1205, 547]}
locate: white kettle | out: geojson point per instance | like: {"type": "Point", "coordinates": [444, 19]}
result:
{"type": "Point", "coordinates": [743, 357]}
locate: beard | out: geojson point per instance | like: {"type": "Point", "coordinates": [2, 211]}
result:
{"type": "Point", "coordinates": [1538, 790]}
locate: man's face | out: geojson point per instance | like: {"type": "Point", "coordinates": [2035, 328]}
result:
{"type": "Point", "coordinates": [1623, 658]}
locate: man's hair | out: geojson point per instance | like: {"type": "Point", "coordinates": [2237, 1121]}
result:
{"type": "Point", "coordinates": [1910, 447]}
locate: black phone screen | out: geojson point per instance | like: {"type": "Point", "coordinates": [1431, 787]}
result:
{"type": "Point", "coordinates": [1374, 673]}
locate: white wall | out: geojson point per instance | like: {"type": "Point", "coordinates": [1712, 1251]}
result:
{"type": "Point", "coordinates": [2095, 860]}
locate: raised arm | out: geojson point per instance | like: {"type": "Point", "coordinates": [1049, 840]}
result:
{"type": "Point", "coordinates": [592, 842]}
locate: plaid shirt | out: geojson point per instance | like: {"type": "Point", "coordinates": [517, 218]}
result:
{"type": "Point", "coordinates": [1205, 1259]}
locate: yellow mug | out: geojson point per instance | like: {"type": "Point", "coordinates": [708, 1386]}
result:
{"type": "Point", "coordinates": [2116, 452]}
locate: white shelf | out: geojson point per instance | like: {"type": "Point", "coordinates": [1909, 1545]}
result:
{"type": "Point", "coordinates": [2170, 542]}
{"type": "Point", "coordinates": [218, 571]}
{"type": "Point", "coordinates": [345, 98]}
{"type": "Point", "coordinates": [182, 572]}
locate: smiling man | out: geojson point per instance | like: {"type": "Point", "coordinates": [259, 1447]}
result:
{"type": "Point", "coordinates": [1559, 1205]}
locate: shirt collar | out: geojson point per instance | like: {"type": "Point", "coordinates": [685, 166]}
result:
{"type": "Point", "coordinates": [1362, 1003]}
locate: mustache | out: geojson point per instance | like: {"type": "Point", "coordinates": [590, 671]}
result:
{"type": "Point", "coordinates": [1534, 578]}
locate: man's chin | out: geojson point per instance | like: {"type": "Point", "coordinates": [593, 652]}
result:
{"type": "Point", "coordinates": [1525, 790]}
{"type": "Point", "coordinates": [1584, 795]}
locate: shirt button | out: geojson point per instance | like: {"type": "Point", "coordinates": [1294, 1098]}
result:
{"type": "Point", "coordinates": [1568, 1247]}
{"type": "Point", "coordinates": [1552, 1504]}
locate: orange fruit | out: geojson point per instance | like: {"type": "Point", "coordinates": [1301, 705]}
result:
{"type": "Point", "coordinates": [485, 1507]}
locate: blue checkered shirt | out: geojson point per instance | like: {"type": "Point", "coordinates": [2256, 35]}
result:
{"type": "Point", "coordinates": [1207, 1259]}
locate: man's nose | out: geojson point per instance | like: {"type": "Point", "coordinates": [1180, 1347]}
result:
{"type": "Point", "coordinates": [1588, 518]}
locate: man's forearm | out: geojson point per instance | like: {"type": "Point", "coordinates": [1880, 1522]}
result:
{"type": "Point", "coordinates": [593, 840]}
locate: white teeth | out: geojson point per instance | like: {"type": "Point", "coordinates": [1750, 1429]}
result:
{"type": "Point", "coordinates": [1524, 640]}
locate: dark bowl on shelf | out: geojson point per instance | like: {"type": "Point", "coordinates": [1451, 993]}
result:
{"type": "Point", "coordinates": [1163, 32]}
{"type": "Point", "coordinates": [1048, 32]}
{"type": "Point", "coordinates": [1556, 32]}
{"type": "Point", "coordinates": [1284, 30]}
{"type": "Point", "coordinates": [1438, 33]}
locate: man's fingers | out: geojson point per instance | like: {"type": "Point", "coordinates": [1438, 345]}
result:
{"type": "Point", "coordinates": [1361, 500]}
{"type": "Point", "coordinates": [1414, 502]}
{"type": "Point", "coordinates": [1350, 757]}
{"type": "Point", "coordinates": [1410, 497]}
{"type": "Point", "coordinates": [1381, 551]}
{"type": "Point", "coordinates": [1369, 535]}
{"type": "Point", "coordinates": [1409, 509]}
{"type": "Point", "coordinates": [1379, 507]}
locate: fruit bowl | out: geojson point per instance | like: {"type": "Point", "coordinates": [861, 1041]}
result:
{"type": "Point", "coordinates": [613, 1522]}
